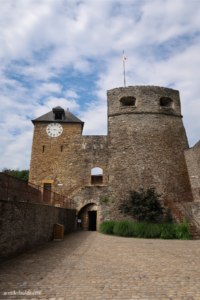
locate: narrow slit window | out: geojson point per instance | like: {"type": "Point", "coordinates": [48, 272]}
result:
{"type": "Point", "coordinates": [94, 146]}
{"type": "Point", "coordinates": [43, 148]}
{"type": "Point", "coordinates": [101, 146]}
{"type": "Point", "coordinates": [61, 148]}
{"type": "Point", "coordinates": [84, 146]}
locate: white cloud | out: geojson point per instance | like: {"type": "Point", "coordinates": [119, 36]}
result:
{"type": "Point", "coordinates": [46, 43]}
{"type": "Point", "coordinates": [53, 102]}
{"type": "Point", "coordinates": [71, 94]}
{"type": "Point", "coordinates": [95, 118]}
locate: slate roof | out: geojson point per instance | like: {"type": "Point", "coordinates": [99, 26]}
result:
{"type": "Point", "coordinates": [49, 117]}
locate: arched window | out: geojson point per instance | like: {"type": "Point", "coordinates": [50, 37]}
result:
{"type": "Point", "coordinates": [127, 101]}
{"type": "Point", "coordinates": [96, 176]}
{"type": "Point", "coordinates": [166, 102]}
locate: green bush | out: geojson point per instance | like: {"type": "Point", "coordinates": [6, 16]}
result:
{"type": "Point", "coordinates": [124, 228]}
{"type": "Point", "coordinates": [143, 205]}
{"type": "Point", "coordinates": [107, 227]}
{"type": "Point", "coordinates": [168, 231]}
{"type": "Point", "coordinates": [147, 230]}
{"type": "Point", "coordinates": [183, 231]}
{"type": "Point", "coordinates": [22, 175]}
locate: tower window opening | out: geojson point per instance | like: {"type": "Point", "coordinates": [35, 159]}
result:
{"type": "Point", "coordinates": [84, 146]}
{"type": "Point", "coordinates": [101, 146]}
{"type": "Point", "coordinates": [166, 102]}
{"type": "Point", "coordinates": [96, 176]}
{"type": "Point", "coordinates": [61, 149]}
{"type": "Point", "coordinates": [127, 101]}
{"type": "Point", "coordinates": [94, 146]}
{"type": "Point", "coordinates": [58, 116]}
{"type": "Point", "coordinates": [43, 148]}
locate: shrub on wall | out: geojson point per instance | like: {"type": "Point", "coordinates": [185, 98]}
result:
{"type": "Point", "coordinates": [105, 199]}
{"type": "Point", "coordinates": [143, 205]}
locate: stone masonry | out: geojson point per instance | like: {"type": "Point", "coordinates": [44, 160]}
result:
{"type": "Point", "coordinates": [192, 157]}
{"type": "Point", "coordinates": [25, 226]}
{"type": "Point", "coordinates": [145, 147]}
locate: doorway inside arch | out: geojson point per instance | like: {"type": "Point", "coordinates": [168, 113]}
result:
{"type": "Point", "coordinates": [92, 220]}
{"type": "Point", "coordinates": [88, 217]}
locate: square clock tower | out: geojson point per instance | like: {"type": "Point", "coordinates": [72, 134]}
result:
{"type": "Point", "coordinates": [56, 143]}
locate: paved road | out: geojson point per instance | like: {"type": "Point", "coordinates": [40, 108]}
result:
{"type": "Point", "coordinates": [90, 265]}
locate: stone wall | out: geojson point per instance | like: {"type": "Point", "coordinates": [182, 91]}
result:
{"type": "Point", "coordinates": [192, 157]}
{"type": "Point", "coordinates": [92, 195]}
{"type": "Point", "coordinates": [71, 167]}
{"type": "Point", "coordinates": [24, 226]}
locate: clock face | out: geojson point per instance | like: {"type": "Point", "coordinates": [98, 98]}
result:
{"type": "Point", "coordinates": [54, 129]}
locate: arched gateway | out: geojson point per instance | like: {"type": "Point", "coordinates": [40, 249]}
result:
{"type": "Point", "coordinates": [89, 215]}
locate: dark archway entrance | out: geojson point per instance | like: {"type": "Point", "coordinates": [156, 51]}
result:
{"type": "Point", "coordinates": [92, 220]}
{"type": "Point", "coordinates": [88, 217]}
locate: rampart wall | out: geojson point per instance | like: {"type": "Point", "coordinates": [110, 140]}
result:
{"type": "Point", "coordinates": [24, 226]}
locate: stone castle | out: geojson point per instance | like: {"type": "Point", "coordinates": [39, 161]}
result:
{"type": "Point", "coordinates": [146, 146]}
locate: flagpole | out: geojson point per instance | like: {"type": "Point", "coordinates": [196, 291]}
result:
{"type": "Point", "coordinates": [124, 70]}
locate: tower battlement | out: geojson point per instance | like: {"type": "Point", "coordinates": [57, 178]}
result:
{"type": "Point", "coordinates": [143, 99]}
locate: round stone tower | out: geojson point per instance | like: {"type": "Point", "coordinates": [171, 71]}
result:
{"type": "Point", "coordinates": [146, 140]}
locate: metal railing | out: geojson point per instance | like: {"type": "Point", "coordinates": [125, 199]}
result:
{"type": "Point", "coordinates": [188, 196]}
{"type": "Point", "coordinates": [14, 189]}
{"type": "Point", "coordinates": [181, 199]}
{"type": "Point", "coordinates": [179, 214]}
{"type": "Point", "coordinates": [80, 184]}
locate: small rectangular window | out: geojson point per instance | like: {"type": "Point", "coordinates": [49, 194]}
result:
{"type": "Point", "coordinates": [58, 116]}
{"type": "Point", "coordinates": [43, 149]}
{"type": "Point", "coordinates": [101, 146]}
{"type": "Point", "coordinates": [61, 148]}
{"type": "Point", "coordinates": [96, 179]}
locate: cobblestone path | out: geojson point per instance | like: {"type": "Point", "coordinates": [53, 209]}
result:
{"type": "Point", "coordinates": [90, 265]}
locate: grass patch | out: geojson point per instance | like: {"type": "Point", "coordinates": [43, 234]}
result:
{"type": "Point", "coordinates": [124, 228]}
{"type": "Point", "coordinates": [147, 230]}
{"type": "Point", "coordinates": [107, 227]}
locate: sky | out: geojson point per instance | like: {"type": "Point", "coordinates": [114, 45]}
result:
{"type": "Point", "coordinates": [69, 53]}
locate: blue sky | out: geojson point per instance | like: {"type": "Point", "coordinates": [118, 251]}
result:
{"type": "Point", "coordinates": [69, 53]}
